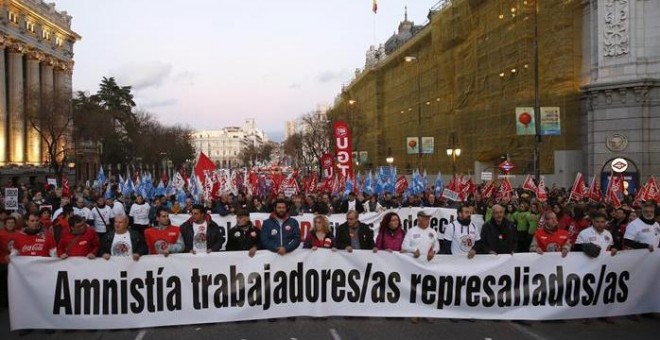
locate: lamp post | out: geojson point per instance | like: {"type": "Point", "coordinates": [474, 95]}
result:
{"type": "Point", "coordinates": [389, 158]}
{"type": "Point", "coordinates": [415, 59]}
{"type": "Point", "coordinates": [537, 97]}
{"type": "Point", "coordinates": [453, 151]}
{"type": "Point", "coordinates": [72, 167]}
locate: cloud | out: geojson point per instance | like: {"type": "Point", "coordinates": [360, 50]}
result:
{"type": "Point", "coordinates": [295, 86]}
{"type": "Point", "coordinates": [143, 75]}
{"type": "Point", "coordinates": [160, 103]}
{"type": "Point", "coordinates": [185, 77]}
{"type": "Point", "coordinates": [329, 76]}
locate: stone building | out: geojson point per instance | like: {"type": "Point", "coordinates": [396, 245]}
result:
{"type": "Point", "coordinates": [461, 77]}
{"type": "Point", "coordinates": [224, 146]}
{"type": "Point", "coordinates": [36, 62]}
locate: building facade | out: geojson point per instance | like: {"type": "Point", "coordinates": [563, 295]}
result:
{"type": "Point", "coordinates": [621, 87]}
{"type": "Point", "coordinates": [459, 79]}
{"type": "Point", "coordinates": [36, 62]}
{"type": "Point", "coordinates": [224, 146]}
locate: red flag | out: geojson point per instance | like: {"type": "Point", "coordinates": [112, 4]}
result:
{"type": "Point", "coordinates": [66, 191]}
{"type": "Point", "coordinates": [577, 191]}
{"type": "Point", "coordinates": [505, 190]}
{"type": "Point", "coordinates": [528, 184]}
{"type": "Point", "coordinates": [641, 194]}
{"type": "Point", "coordinates": [614, 187]}
{"type": "Point", "coordinates": [488, 189]}
{"type": "Point", "coordinates": [467, 188]}
{"type": "Point", "coordinates": [401, 184]}
{"type": "Point", "coordinates": [652, 190]}
{"type": "Point", "coordinates": [454, 184]}
{"type": "Point", "coordinates": [203, 167]}
{"type": "Point", "coordinates": [313, 183]}
{"type": "Point", "coordinates": [541, 194]}
{"type": "Point", "coordinates": [594, 191]}
{"type": "Point", "coordinates": [374, 8]}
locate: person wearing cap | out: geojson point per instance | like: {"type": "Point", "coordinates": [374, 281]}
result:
{"type": "Point", "coordinates": [244, 235]}
{"type": "Point", "coordinates": [421, 240]}
{"type": "Point", "coordinates": [498, 235]}
{"type": "Point", "coordinates": [354, 234]}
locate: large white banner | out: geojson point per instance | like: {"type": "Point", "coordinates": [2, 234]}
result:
{"type": "Point", "coordinates": [440, 218]}
{"type": "Point", "coordinates": [78, 293]}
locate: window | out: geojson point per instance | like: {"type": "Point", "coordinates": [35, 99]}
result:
{"type": "Point", "coordinates": [29, 25]}
{"type": "Point", "coordinates": [45, 34]}
{"type": "Point", "coordinates": [58, 41]}
{"type": "Point", "coordinates": [13, 17]}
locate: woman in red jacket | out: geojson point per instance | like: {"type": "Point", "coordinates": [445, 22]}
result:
{"type": "Point", "coordinates": [320, 236]}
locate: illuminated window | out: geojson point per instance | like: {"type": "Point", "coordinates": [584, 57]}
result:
{"type": "Point", "coordinates": [13, 17]}
{"type": "Point", "coordinates": [45, 34]}
{"type": "Point", "coordinates": [58, 41]}
{"type": "Point", "coordinates": [29, 25]}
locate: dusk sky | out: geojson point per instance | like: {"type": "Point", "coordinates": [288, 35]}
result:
{"type": "Point", "coordinates": [210, 64]}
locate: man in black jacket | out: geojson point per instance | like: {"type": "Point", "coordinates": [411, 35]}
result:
{"type": "Point", "coordinates": [498, 236]}
{"type": "Point", "coordinates": [244, 235]}
{"type": "Point", "coordinates": [123, 242]}
{"type": "Point", "coordinates": [200, 233]}
{"type": "Point", "coordinates": [354, 234]}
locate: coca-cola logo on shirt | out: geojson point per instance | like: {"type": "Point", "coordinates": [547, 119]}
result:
{"type": "Point", "coordinates": [32, 248]}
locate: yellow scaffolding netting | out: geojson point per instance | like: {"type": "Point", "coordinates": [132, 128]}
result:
{"type": "Point", "coordinates": [473, 65]}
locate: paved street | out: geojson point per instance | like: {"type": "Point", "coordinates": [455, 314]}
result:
{"type": "Point", "coordinates": [371, 328]}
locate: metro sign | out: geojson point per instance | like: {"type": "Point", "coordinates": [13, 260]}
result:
{"type": "Point", "coordinates": [619, 165]}
{"type": "Point", "coordinates": [506, 166]}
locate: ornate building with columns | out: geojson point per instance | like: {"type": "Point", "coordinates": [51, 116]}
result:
{"type": "Point", "coordinates": [36, 62]}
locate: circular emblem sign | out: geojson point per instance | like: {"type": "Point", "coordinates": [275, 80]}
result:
{"type": "Point", "coordinates": [619, 165]}
{"type": "Point", "coordinates": [617, 142]}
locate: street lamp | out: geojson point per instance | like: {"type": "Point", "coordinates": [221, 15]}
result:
{"type": "Point", "coordinates": [389, 158]}
{"type": "Point", "coordinates": [453, 151]}
{"type": "Point", "coordinates": [410, 59]}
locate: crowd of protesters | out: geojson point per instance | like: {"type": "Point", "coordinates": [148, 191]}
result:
{"type": "Point", "coordinates": [87, 224]}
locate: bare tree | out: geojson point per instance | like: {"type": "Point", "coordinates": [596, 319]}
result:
{"type": "Point", "coordinates": [307, 147]}
{"type": "Point", "coordinates": [52, 120]}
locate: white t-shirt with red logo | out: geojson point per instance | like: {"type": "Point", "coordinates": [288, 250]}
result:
{"type": "Point", "coordinates": [121, 245]}
{"type": "Point", "coordinates": [199, 237]}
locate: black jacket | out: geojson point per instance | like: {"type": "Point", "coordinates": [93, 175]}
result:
{"type": "Point", "coordinates": [239, 239]}
{"type": "Point", "coordinates": [359, 206]}
{"type": "Point", "coordinates": [215, 237]}
{"type": "Point", "coordinates": [365, 235]}
{"type": "Point", "coordinates": [502, 239]}
{"type": "Point", "coordinates": [137, 243]}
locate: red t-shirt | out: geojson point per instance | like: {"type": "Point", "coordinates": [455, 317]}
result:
{"type": "Point", "coordinates": [576, 227]}
{"type": "Point", "coordinates": [160, 239]}
{"type": "Point", "coordinates": [34, 245]}
{"type": "Point", "coordinates": [87, 243]}
{"type": "Point", "coordinates": [6, 243]}
{"type": "Point", "coordinates": [551, 242]}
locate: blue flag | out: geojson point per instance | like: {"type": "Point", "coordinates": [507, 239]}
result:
{"type": "Point", "coordinates": [439, 186]}
{"type": "Point", "coordinates": [100, 179]}
{"type": "Point", "coordinates": [368, 184]}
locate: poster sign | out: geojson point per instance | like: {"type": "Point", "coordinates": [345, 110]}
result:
{"type": "Point", "coordinates": [412, 145]}
{"type": "Point", "coordinates": [344, 149]}
{"type": "Point", "coordinates": [486, 176]}
{"type": "Point", "coordinates": [428, 145]}
{"type": "Point", "coordinates": [328, 165]}
{"type": "Point", "coordinates": [450, 195]}
{"type": "Point", "coordinates": [525, 122]}
{"type": "Point", "coordinates": [550, 121]}
{"type": "Point", "coordinates": [52, 181]}
{"type": "Point", "coordinates": [11, 198]}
